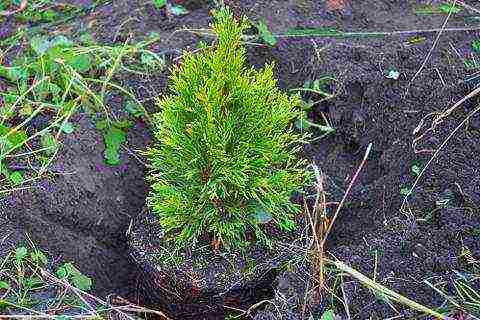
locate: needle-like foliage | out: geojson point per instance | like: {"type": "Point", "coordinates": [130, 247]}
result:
{"type": "Point", "coordinates": [224, 162]}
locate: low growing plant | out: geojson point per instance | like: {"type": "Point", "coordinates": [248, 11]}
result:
{"type": "Point", "coordinates": [225, 157]}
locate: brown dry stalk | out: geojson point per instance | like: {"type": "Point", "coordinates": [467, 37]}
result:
{"type": "Point", "coordinates": [435, 123]}
{"type": "Point", "coordinates": [354, 178]}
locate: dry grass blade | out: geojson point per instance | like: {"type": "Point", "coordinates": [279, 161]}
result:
{"type": "Point", "coordinates": [347, 192]}
{"type": "Point", "coordinates": [378, 288]}
{"type": "Point", "coordinates": [437, 121]}
{"type": "Point", "coordinates": [437, 39]}
{"type": "Point", "coordinates": [317, 218]}
{"type": "Point", "coordinates": [121, 310]}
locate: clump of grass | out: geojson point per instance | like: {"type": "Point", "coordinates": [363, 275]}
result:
{"type": "Point", "coordinates": [47, 85]}
{"type": "Point", "coordinates": [224, 161]}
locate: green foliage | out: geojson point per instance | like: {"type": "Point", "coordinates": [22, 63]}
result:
{"type": "Point", "coordinates": [449, 7]}
{"type": "Point", "coordinates": [225, 159]}
{"type": "Point", "coordinates": [265, 34]}
{"type": "Point", "coordinates": [159, 4]}
{"type": "Point", "coordinates": [25, 280]}
{"type": "Point", "coordinates": [68, 272]}
{"type": "Point", "coordinates": [114, 136]}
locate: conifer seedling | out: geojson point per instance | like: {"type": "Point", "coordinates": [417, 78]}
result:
{"type": "Point", "coordinates": [224, 163]}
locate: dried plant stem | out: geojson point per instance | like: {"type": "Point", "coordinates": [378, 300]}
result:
{"type": "Point", "coordinates": [354, 178]}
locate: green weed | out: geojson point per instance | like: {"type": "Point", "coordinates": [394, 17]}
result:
{"type": "Point", "coordinates": [52, 80]}
{"type": "Point", "coordinates": [24, 286]}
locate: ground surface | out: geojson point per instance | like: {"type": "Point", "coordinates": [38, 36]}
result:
{"type": "Point", "coordinates": [84, 216]}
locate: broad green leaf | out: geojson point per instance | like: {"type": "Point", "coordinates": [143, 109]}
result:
{"type": "Point", "coordinates": [101, 124]}
{"type": "Point", "coordinates": [20, 253]}
{"type": "Point", "coordinates": [33, 282]}
{"type": "Point", "coordinates": [328, 315]}
{"type": "Point", "coordinates": [65, 270]}
{"type": "Point", "coordinates": [393, 74]}
{"type": "Point", "coordinates": [416, 169]}
{"type": "Point", "coordinates": [114, 138]}
{"type": "Point", "coordinates": [5, 146]}
{"type": "Point", "coordinates": [302, 122]}
{"type": "Point", "coordinates": [4, 285]}
{"type": "Point", "coordinates": [39, 257]}
{"type": "Point", "coordinates": [81, 282]}
{"type": "Point", "coordinates": [476, 45]}
{"type": "Point", "coordinates": [49, 143]}
{"type": "Point", "coordinates": [404, 191]}
{"type": "Point", "coordinates": [178, 10]}
{"type": "Point", "coordinates": [159, 4]}
{"type": "Point", "coordinates": [447, 7]}
{"type": "Point", "coordinates": [40, 45]}
{"type": "Point", "coordinates": [67, 127]}
{"type": "Point", "coordinates": [17, 138]}
{"type": "Point", "coordinates": [266, 35]}
{"type": "Point", "coordinates": [48, 15]}
{"type": "Point", "coordinates": [134, 109]}
{"type": "Point", "coordinates": [81, 63]}
{"type": "Point", "coordinates": [16, 178]}
{"type": "Point", "coordinates": [123, 124]}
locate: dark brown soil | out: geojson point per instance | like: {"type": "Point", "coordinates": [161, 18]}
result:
{"type": "Point", "coordinates": [84, 216]}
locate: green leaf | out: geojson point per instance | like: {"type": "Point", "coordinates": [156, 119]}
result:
{"type": "Point", "coordinates": [123, 124]}
{"type": "Point", "coordinates": [393, 74]}
{"type": "Point", "coordinates": [81, 63]}
{"type": "Point", "coordinates": [16, 178]}
{"type": "Point", "coordinates": [39, 257]}
{"type": "Point", "coordinates": [4, 285]}
{"type": "Point", "coordinates": [265, 34]}
{"type": "Point", "coordinates": [159, 4]}
{"type": "Point", "coordinates": [65, 270]}
{"type": "Point", "coordinates": [134, 109]}
{"type": "Point", "coordinates": [15, 73]}
{"type": "Point", "coordinates": [113, 140]}
{"type": "Point", "coordinates": [49, 143]}
{"type": "Point", "coordinates": [149, 60]}
{"type": "Point", "coordinates": [416, 169]}
{"type": "Point", "coordinates": [5, 146]}
{"type": "Point", "coordinates": [48, 15]}
{"type": "Point", "coordinates": [81, 282]}
{"type": "Point", "coordinates": [20, 253]}
{"type": "Point", "coordinates": [328, 315]}
{"type": "Point", "coordinates": [61, 41]}
{"type": "Point", "coordinates": [404, 191]}
{"type": "Point", "coordinates": [40, 45]}
{"type": "Point", "coordinates": [447, 7]}
{"type": "Point", "coordinates": [67, 127]}
{"type": "Point", "coordinates": [302, 122]}
{"type": "Point", "coordinates": [33, 282]}
{"type": "Point", "coordinates": [101, 124]}
{"type": "Point", "coordinates": [476, 45]}
{"type": "Point", "coordinates": [17, 138]}
{"type": "Point", "coordinates": [178, 10]}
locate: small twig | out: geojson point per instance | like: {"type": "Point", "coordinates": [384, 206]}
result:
{"type": "Point", "coordinates": [437, 39]}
